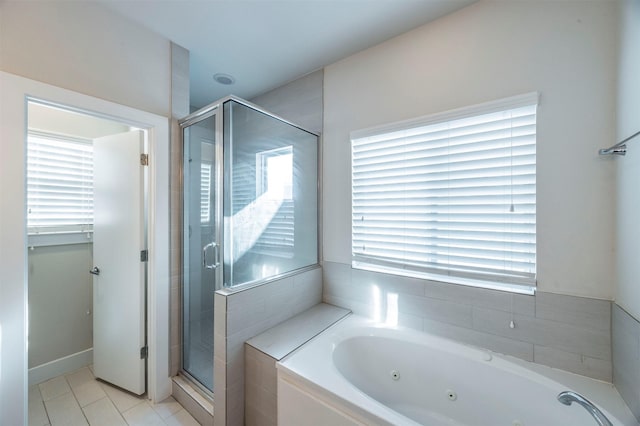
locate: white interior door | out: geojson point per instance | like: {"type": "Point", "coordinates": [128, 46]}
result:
{"type": "Point", "coordinates": [118, 239]}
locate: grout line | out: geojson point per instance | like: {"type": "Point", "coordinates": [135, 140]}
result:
{"type": "Point", "coordinates": [141, 400]}
{"type": "Point", "coordinates": [76, 399]}
{"type": "Point", "coordinates": [46, 412]}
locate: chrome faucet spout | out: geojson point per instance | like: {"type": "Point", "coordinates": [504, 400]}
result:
{"type": "Point", "coordinates": [567, 397]}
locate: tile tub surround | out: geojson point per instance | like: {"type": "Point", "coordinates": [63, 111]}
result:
{"type": "Point", "coordinates": [261, 393]}
{"type": "Point", "coordinates": [263, 351]}
{"type": "Point", "coordinates": [626, 357]}
{"type": "Point", "coordinates": [241, 315]}
{"type": "Point", "coordinates": [566, 332]}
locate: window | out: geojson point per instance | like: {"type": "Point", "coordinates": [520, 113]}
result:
{"type": "Point", "coordinates": [59, 184]}
{"type": "Point", "coordinates": [205, 192]}
{"type": "Point", "coordinates": [275, 183]}
{"type": "Point", "coordinates": [206, 179]}
{"type": "Point", "coordinates": [450, 197]}
{"type": "Point", "coordinates": [275, 173]}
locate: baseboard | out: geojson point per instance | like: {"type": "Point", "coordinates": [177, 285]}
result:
{"type": "Point", "coordinates": [60, 366]}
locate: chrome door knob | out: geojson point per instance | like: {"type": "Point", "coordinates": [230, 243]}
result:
{"type": "Point", "coordinates": [95, 271]}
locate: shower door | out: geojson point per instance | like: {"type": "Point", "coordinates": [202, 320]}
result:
{"type": "Point", "coordinates": [201, 245]}
{"type": "Point", "coordinates": [250, 213]}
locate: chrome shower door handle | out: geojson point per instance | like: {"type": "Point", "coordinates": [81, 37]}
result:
{"type": "Point", "coordinates": [215, 263]}
{"type": "Point", "coordinates": [95, 271]}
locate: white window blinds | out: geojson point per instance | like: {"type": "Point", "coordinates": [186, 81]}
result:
{"type": "Point", "coordinates": [450, 197]}
{"type": "Point", "coordinates": [205, 192]}
{"type": "Point", "coordinates": [275, 181]}
{"type": "Point", "coordinates": [59, 184]}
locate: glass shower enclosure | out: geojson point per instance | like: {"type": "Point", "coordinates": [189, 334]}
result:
{"type": "Point", "coordinates": [250, 213]}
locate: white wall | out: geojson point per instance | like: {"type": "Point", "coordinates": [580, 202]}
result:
{"type": "Point", "coordinates": [628, 122]}
{"type": "Point", "coordinates": [60, 302]}
{"type": "Point", "coordinates": [86, 48]}
{"type": "Point", "coordinates": [493, 49]}
{"type": "Point", "coordinates": [13, 253]}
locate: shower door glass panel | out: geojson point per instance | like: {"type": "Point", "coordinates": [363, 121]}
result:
{"type": "Point", "coordinates": [270, 196]}
{"type": "Point", "coordinates": [200, 249]}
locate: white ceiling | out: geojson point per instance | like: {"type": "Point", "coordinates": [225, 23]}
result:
{"type": "Point", "coordinates": [266, 43]}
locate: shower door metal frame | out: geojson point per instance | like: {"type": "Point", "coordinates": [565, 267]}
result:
{"type": "Point", "coordinates": [217, 108]}
{"type": "Point", "coordinates": [202, 114]}
{"type": "Point", "coordinates": [228, 289]}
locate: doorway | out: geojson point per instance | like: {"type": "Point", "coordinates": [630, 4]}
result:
{"type": "Point", "coordinates": [17, 91]}
{"type": "Point", "coordinates": [86, 231]}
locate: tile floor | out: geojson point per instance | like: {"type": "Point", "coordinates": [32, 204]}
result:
{"type": "Point", "coordinates": [79, 399]}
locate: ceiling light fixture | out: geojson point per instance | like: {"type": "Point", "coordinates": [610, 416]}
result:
{"type": "Point", "coordinates": [225, 79]}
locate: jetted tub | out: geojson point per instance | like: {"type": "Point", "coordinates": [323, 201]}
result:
{"type": "Point", "coordinates": [359, 372]}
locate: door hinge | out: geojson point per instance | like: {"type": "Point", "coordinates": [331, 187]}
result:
{"type": "Point", "coordinates": [144, 352]}
{"type": "Point", "coordinates": [144, 159]}
{"type": "Point", "coordinates": [144, 255]}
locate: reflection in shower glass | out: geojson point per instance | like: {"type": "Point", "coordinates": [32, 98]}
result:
{"type": "Point", "coordinates": [199, 250]}
{"type": "Point", "coordinates": [270, 190]}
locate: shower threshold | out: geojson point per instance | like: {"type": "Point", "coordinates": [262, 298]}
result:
{"type": "Point", "coordinates": [188, 394]}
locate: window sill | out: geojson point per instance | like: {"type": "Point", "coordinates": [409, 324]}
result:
{"type": "Point", "coordinates": [59, 238]}
{"type": "Point", "coordinates": [489, 285]}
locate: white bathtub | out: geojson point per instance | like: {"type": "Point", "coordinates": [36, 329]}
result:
{"type": "Point", "coordinates": [357, 372]}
